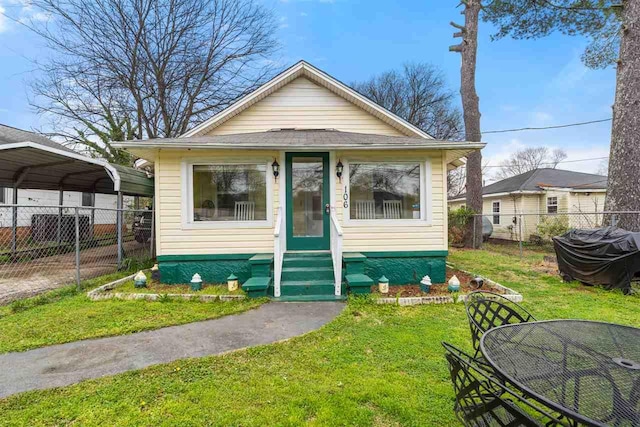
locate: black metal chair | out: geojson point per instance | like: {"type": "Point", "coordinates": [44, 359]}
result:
{"type": "Point", "coordinates": [487, 310]}
{"type": "Point", "coordinates": [483, 401]}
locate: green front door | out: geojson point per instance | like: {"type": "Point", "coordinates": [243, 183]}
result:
{"type": "Point", "coordinates": [307, 201]}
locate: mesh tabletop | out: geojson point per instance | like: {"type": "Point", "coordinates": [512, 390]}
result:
{"type": "Point", "coordinates": [590, 371]}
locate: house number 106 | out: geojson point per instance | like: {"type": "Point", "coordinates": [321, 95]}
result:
{"type": "Point", "coordinates": [345, 196]}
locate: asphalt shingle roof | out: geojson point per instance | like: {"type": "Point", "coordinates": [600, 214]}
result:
{"type": "Point", "coordinates": [537, 179]}
{"type": "Point", "coordinates": [10, 135]}
{"type": "Point", "coordinates": [295, 137]}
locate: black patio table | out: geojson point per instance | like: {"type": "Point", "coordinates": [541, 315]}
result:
{"type": "Point", "coordinates": [588, 371]}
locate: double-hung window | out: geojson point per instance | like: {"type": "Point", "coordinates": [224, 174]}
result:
{"type": "Point", "coordinates": [552, 205]}
{"type": "Point", "coordinates": [3, 195]}
{"type": "Point", "coordinates": [391, 191]}
{"type": "Point", "coordinates": [228, 192]}
{"type": "Point", "coordinates": [495, 208]}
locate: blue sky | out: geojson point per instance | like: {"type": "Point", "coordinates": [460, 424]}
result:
{"type": "Point", "coordinates": [520, 83]}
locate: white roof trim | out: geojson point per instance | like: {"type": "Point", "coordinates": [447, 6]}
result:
{"type": "Point", "coordinates": [487, 196]}
{"type": "Point", "coordinates": [300, 69]}
{"type": "Point", "coordinates": [436, 145]}
{"type": "Point", "coordinates": [111, 171]}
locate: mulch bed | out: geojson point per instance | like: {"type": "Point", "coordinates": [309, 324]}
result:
{"type": "Point", "coordinates": [414, 290]}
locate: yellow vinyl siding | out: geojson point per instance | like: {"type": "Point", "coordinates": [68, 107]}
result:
{"type": "Point", "coordinates": [175, 239]}
{"type": "Point", "coordinates": [306, 105]}
{"type": "Point", "coordinates": [418, 237]}
{"type": "Point", "coordinates": [585, 207]}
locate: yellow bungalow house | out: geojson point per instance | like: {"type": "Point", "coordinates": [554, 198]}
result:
{"type": "Point", "coordinates": [304, 189]}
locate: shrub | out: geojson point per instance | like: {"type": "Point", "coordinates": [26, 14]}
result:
{"type": "Point", "coordinates": [458, 219]}
{"type": "Point", "coordinates": [551, 226]}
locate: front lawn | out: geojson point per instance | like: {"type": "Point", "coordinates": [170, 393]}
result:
{"type": "Point", "coordinates": [373, 365]}
{"type": "Point", "coordinates": [64, 315]}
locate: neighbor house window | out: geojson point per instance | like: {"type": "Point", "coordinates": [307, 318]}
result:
{"type": "Point", "coordinates": [384, 191]}
{"type": "Point", "coordinates": [87, 199]}
{"type": "Point", "coordinates": [230, 192]}
{"type": "Point", "coordinates": [552, 205]}
{"type": "Point", "coordinates": [496, 212]}
{"type": "Point", "coordinates": [3, 195]}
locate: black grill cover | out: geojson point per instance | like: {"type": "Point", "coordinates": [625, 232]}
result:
{"type": "Point", "coordinates": [607, 256]}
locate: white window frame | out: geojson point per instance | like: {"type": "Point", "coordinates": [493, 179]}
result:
{"type": "Point", "coordinates": [499, 213]}
{"type": "Point", "coordinates": [187, 194]}
{"type": "Point", "coordinates": [556, 204]}
{"type": "Point", "coordinates": [426, 190]}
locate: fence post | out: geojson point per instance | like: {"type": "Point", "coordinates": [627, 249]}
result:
{"type": "Point", "coordinates": [520, 234]}
{"type": "Point", "coordinates": [614, 220]}
{"type": "Point", "coordinates": [474, 230]}
{"type": "Point", "coordinates": [77, 248]}
{"type": "Point", "coordinates": [60, 204]}
{"type": "Point", "coordinates": [119, 228]}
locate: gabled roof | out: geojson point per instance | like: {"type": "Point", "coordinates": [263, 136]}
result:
{"type": "Point", "coordinates": [9, 134]}
{"type": "Point", "coordinates": [304, 69]}
{"type": "Point", "coordinates": [539, 179]}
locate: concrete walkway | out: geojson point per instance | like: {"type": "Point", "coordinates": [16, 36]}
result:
{"type": "Point", "coordinates": [65, 364]}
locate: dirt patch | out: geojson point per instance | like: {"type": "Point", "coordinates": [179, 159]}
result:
{"type": "Point", "coordinates": [413, 290]}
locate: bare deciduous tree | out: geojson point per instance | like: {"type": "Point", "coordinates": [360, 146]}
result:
{"type": "Point", "coordinates": [419, 94]}
{"type": "Point", "coordinates": [529, 159]}
{"type": "Point", "coordinates": [147, 68]}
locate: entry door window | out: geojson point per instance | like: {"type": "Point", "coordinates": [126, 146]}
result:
{"type": "Point", "coordinates": [307, 190]}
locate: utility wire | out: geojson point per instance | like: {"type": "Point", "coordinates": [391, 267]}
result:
{"type": "Point", "coordinates": [550, 163]}
{"type": "Point", "coordinates": [547, 127]}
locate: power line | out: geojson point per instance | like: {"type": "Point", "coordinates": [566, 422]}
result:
{"type": "Point", "coordinates": [551, 163]}
{"type": "Point", "coordinates": [548, 127]}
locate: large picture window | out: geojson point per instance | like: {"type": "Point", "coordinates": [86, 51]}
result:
{"type": "Point", "coordinates": [384, 191]}
{"type": "Point", "coordinates": [230, 192]}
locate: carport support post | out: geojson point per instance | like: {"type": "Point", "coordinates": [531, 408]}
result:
{"type": "Point", "coordinates": [14, 222]}
{"type": "Point", "coordinates": [60, 203]}
{"type": "Point", "coordinates": [78, 248]}
{"type": "Point", "coordinates": [152, 246]}
{"type": "Point", "coordinates": [119, 228]}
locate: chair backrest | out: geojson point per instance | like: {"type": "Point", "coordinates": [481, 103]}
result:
{"type": "Point", "coordinates": [392, 209]}
{"type": "Point", "coordinates": [365, 209]}
{"type": "Point", "coordinates": [483, 400]}
{"type": "Point", "coordinates": [245, 211]}
{"type": "Point", "coordinates": [487, 310]}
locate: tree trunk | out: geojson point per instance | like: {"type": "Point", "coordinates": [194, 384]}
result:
{"type": "Point", "coordinates": [623, 193]}
{"type": "Point", "coordinates": [471, 113]}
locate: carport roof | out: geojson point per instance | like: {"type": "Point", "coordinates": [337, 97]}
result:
{"type": "Point", "coordinates": [35, 162]}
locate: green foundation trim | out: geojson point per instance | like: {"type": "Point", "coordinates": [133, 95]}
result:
{"type": "Point", "coordinates": [406, 254]}
{"type": "Point", "coordinates": [214, 268]}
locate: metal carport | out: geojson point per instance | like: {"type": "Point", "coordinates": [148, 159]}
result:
{"type": "Point", "coordinates": [45, 165]}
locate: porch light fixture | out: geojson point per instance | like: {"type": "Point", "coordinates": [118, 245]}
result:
{"type": "Point", "coordinates": [276, 168]}
{"type": "Point", "coordinates": [339, 169]}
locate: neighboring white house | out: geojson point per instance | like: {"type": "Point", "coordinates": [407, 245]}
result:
{"type": "Point", "coordinates": [540, 193]}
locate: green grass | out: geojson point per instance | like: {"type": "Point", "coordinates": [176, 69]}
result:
{"type": "Point", "coordinates": [156, 288]}
{"type": "Point", "coordinates": [65, 315]}
{"type": "Point", "coordinates": [373, 365]}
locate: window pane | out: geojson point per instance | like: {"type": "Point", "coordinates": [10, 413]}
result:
{"type": "Point", "coordinates": [3, 195]}
{"type": "Point", "coordinates": [384, 191]}
{"type": "Point", "coordinates": [87, 199]}
{"type": "Point", "coordinates": [496, 210]}
{"type": "Point", "coordinates": [306, 183]}
{"type": "Point", "coordinates": [229, 193]}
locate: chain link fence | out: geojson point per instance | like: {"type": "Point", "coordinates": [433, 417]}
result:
{"type": "Point", "coordinates": [45, 247]}
{"type": "Point", "coordinates": [538, 229]}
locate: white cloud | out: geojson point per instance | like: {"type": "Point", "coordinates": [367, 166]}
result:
{"type": "Point", "coordinates": [283, 22]}
{"type": "Point", "coordinates": [304, 14]}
